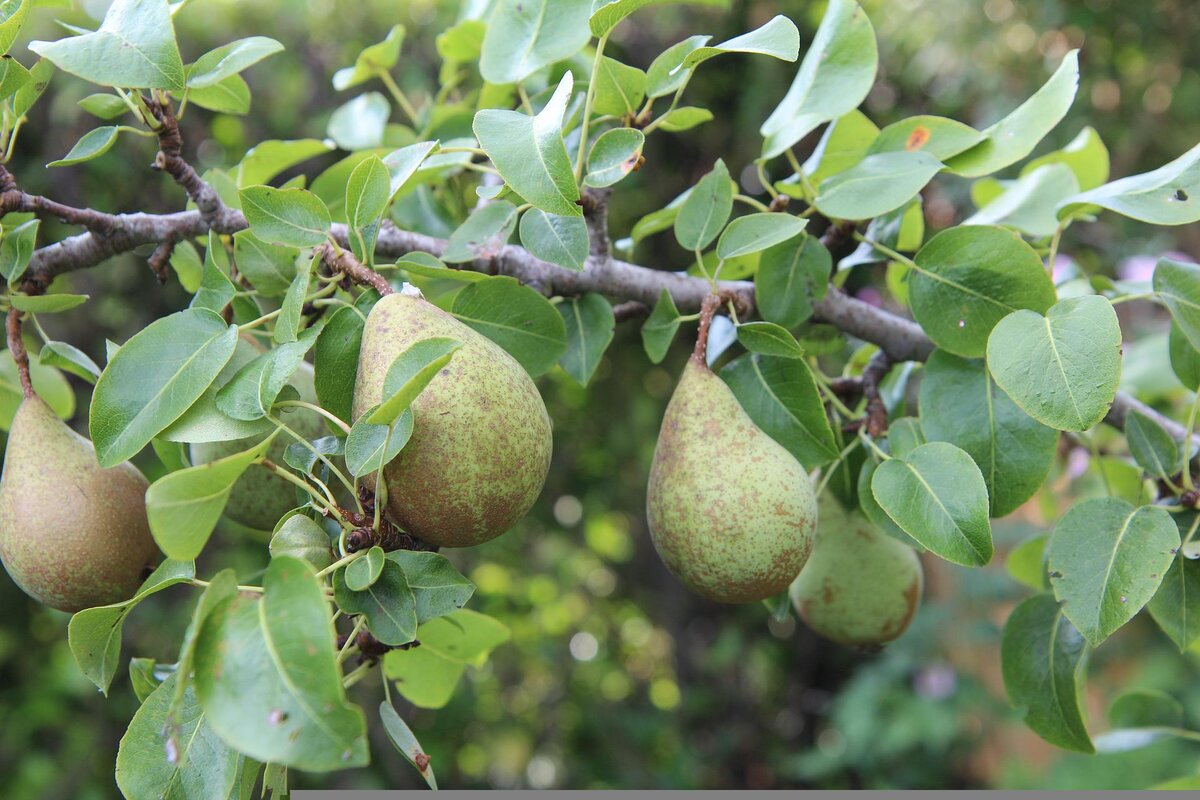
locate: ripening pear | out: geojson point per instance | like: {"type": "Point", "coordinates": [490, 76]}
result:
{"type": "Point", "coordinates": [260, 497]}
{"type": "Point", "coordinates": [481, 441]}
{"type": "Point", "coordinates": [731, 512]}
{"type": "Point", "coordinates": [72, 535]}
{"type": "Point", "coordinates": [860, 587]}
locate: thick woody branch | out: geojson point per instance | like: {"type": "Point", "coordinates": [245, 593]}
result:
{"type": "Point", "coordinates": [900, 338]}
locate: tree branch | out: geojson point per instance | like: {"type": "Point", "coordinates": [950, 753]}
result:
{"type": "Point", "coordinates": [900, 338]}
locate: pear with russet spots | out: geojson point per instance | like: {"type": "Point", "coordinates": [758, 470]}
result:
{"type": "Point", "coordinates": [860, 587]}
{"type": "Point", "coordinates": [481, 441]}
{"type": "Point", "coordinates": [72, 534]}
{"type": "Point", "coordinates": [731, 512]}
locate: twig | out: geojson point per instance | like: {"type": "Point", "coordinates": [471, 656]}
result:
{"type": "Point", "coordinates": [16, 346]}
{"type": "Point", "coordinates": [877, 415]}
{"type": "Point", "coordinates": [632, 310]}
{"type": "Point", "coordinates": [342, 261]}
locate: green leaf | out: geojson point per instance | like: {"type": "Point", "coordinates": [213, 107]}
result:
{"type": "Point", "coordinates": [427, 675]}
{"type": "Point", "coordinates": [300, 537]}
{"type": "Point", "coordinates": [387, 603]}
{"type": "Point", "coordinates": [515, 317]}
{"type": "Point", "coordinates": [837, 72]}
{"type": "Point", "coordinates": [361, 123]}
{"type": "Point", "coordinates": [230, 59]}
{"type": "Point", "coordinates": [438, 587]}
{"type": "Point", "coordinates": [409, 374]}
{"type": "Point", "coordinates": [937, 495]}
{"type": "Point", "coordinates": [939, 137]}
{"type": "Point", "coordinates": [780, 395]}
{"type": "Point", "coordinates": [70, 358]}
{"type": "Point", "coordinates": [1169, 195]}
{"type": "Point", "coordinates": [904, 435]}
{"type": "Point", "coordinates": [134, 48]}
{"type": "Point", "coordinates": [842, 145]}
{"type": "Point", "coordinates": [402, 164]}
{"type": "Point", "coordinates": [365, 570]}
{"type": "Point", "coordinates": [370, 446]}
{"type": "Point", "coordinates": [143, 677]}
{"type": "Point", "coordinates": [524, 36]}
{"type": "Point", "coordinates": [13, 14]}
{"type": "Point", "coordinates": [778, 38]}
{"type": "Point", "coordinates": [1155, 450]}
{"type": "Point", "coordinates": [367, 195]}
{"type": "Point", "coordinates": [287, 324]}
{"type": "Point", "coordinates": [1177, 284]}
{"type": "Point", "coordinates": [968, 278]}
{"type": "Point", "coordinates": [658, 331]}
{"type": "Point", "coordinates": [335, 357]}
{"type": "Point", "coordinates": [170, 752]}
{"type": "Point", "coordinates": [267, 159]}
{"type": "Point", "coordinates": [769, 339]}
{"type": "Point", "coordinates": [1028, 203]}
{"type": "Point", "coordinates": [589, 324]}
{"type": "Point", "coordinates": [1062, 368]}
{"type": "Point", "coordinates": [48, 382]}
{"type": "Point", "coordinates": [95, 633]}
{"type": "Point", "coordinates": [253, 390]}
{"type": "Point", "coordinates": [1176, 604]}
{"type": "Point", "coordinates": [1185, 360]}
{"type": "Point", "coordinates": [94, 144]}
{"type": "Point", "coordinates": [620, 89]}
{"type": "Point", "coordinates": [46, 303]}
{"type": "Point", "coordinates": [868, 505]}
{"type": "Point", "coordinates": [607, 14]}
{"type": "Point", "coordinates": [216, 289]}
{"type": "Point", "coordinates": [270, 268]}
{"type": "Point", "coordinates": [230, 96]}
{"type": "Point", "coordinates": [558, 240]}
{"type": "Point", "coordinates": [792, 277]}
{"type": "Point", "coordinates": [292, 217]}
{"type": "Point", "coordinates": [961, 405]}
{"type": "Point", "coordinates": [188, 266]}
{"type": "Point", "coordinates": [876, 185]}
{"type": "Point", "coordinates": [1015, 136]}
{"type": "Point", "coordinates": [1085, 155]}
{"type": "Point", "coordinates": [1043, 656]}
{"type": "Point", "coordinates": [529, 151]}
{"type": "Point", "coordinates": [754, 233]}
{"type": "Point", "coordinates": [685, 118]}
{"type": "Point", "coordinates": [373, 60]}
{"type": "Point", "coordinates": [665, 74]}
{"type": "Point", "coordinates": [483, 234]}
{"type": "Point", "coordinates": [29, 91]}
{"type": "Point", "coordinates": [154, 378]}
{"type": "Point", "coordinates": [616, 153]}
{"type": "Point", "coordinates": [1026, 563]}
{"type": "Point", "coordinates": [184, 506]}
{"type": "Point", "coordinates": [404, 740]}
{"type": "Point", "coordinates": [14, 77]}
{"type": "Point", "coordinates": [705, 211]}
{"type": "Point", "coordinates": [1107, 559]}
{"type": "Point", "coordinates": [267, 678]}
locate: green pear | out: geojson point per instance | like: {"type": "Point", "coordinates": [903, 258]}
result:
{"type": "Point", "coordinates": [260, 497]}
{"type": "Point", "coordinates": [72, 535]}
{"type": "Point", "coordinates": [860, 587]}
{"type": "Point", "coordinates": [481, 441]}
{"type": "Point", "coordinates": [731, 512]}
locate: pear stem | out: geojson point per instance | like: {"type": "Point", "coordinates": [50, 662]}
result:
{"type": "Point", "coordinates": [16, 346]}
{"type": "Point", "coordinates": [707, 309]}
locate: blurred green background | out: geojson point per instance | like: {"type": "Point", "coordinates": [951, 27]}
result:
{"type": "Point", "coordinates": [615, 676]}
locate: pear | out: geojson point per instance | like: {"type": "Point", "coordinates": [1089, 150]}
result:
{"type": "Point", "coordinates": [72, 535]}
{"type": "Point", "coordinates": [861, 587]}
{"type": "Point", "coordinates": [731, 512]}
{"type": "Point", "coordinates": [260, 497]}
{"type": "Point", "coordinates": [481, 441]}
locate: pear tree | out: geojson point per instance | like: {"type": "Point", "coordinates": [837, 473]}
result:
{"type": "Point", "coordinates": [365, 393]}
